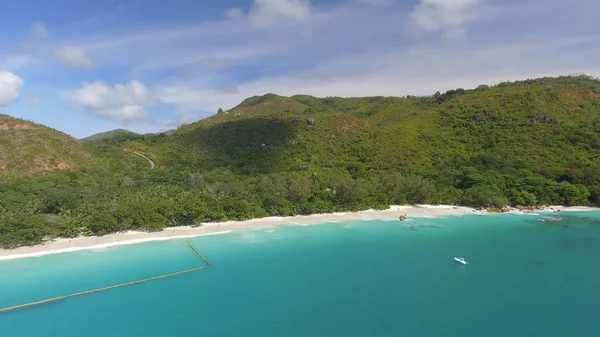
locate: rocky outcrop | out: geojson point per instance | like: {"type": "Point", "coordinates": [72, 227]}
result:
{"type": "Point", "coordinates": [526, 209]}
{"type": "Point", "coordinates": [542, 117]}
{"type": "Point", "coordinates": [13, 126]}
{"type": "Point", "coordinates": [498, 209]}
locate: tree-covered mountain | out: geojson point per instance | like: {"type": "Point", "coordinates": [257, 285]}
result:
{"type": "Point", "coordinates": [29, 149]}
{"type": "Point", "coordinates": [521, 143]}
{"type": "Point", "coordinates": [547, 126]}
{"type": "Point", "coordinates": [107, 135]}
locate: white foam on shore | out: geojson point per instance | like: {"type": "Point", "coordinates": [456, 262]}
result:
{"type": "Point", "coordinates": [103, 246]}
{"type": "Point", "coordinates": [568, 209]}
{"type": "Point", "coordinates": [132, 237]}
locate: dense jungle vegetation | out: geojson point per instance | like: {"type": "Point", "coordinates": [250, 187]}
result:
{"type": "Point", "coordinates": [529, 142]}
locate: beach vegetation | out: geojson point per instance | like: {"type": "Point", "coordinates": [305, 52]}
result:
{"type": "Point", "coordinates": [523, 143]}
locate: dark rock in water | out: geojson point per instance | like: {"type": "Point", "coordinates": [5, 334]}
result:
{"type": "Point", "coordinates": [582, 244]}
{"type": "Point", "coordinates": [570, 278]}
{"type": "Point", "coordinates": [539, 263]}
{"type": "Point", "coordinates": [433, 226]}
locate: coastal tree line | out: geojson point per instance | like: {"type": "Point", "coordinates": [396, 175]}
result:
{"type": "Point", "coordinates": [69, 205]}
{"type": "Point", "coordinates": [534, 142]}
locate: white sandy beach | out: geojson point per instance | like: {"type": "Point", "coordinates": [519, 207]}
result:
{"type": "Point", "coordinates": [132, 237]}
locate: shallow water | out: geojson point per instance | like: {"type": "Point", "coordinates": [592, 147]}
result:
{"type": "Point", "coordinates": [375, 278]}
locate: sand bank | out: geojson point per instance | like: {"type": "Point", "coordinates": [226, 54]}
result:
{"type": "Point", "coordinates": [132, 237]}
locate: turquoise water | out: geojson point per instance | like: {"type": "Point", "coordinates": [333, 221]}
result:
{"type": "Point", "coordinates": [375, 278]}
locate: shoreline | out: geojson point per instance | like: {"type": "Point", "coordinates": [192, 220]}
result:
{"type": "Point", "coordinates": [92, 243]}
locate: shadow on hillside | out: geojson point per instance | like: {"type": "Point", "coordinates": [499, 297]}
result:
{"type": "Point", "coordinates": [247, 145]}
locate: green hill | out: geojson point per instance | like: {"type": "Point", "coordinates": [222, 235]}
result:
{"type": "Point", "coordinates": [529, 142]}
{"type": "Point", "coordinates": [108, 134]}
{"type": "Point", "coordinates": [537, 123]}
{"type": "Point", "coordinates": [28, 149]}
{"type": "Point", "coordinates": [500, 141]}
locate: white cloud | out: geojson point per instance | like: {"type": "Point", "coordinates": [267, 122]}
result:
{"type": "Point", "coordinates": [38, 31]}
{"type": "Point", "coordinates": [267, 12]}
{"type": "Point", "coordinates": [26, 49]}
{"type": "Point", "coordinates": [349, 49]}
{"type": "Point", "coordinates": [14, 62]}
{"type": "Point", "coordinates": [208, 63]}
{"type": "Point", "coordinates": [32, 48]}
{"type": "Point", "coordinates": [73, 56]}
{"type": "Point", "coordinates": [447, 16]}
{"type": "Point", "coordinates": [235, 13]}
{"type": "Point", "coordinates": [123, 102]}
{"type": "Point", "coordinates": [382, 3]}
{"type": "Point", "coordinates": [102, 19]}
{"type": "Point", "coordinates": [10, 87]}
{"type": "Point", "coordinates": [237, 42]}
{"type": "Point", "coordinates": [414, 71]}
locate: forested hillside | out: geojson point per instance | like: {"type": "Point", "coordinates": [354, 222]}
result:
{"type": "Point", "coordinates": [520, 143]}
{"type": "Point", "coordinates": [30, 149]}
{"type": "Point", "coordinates": [107, 135]}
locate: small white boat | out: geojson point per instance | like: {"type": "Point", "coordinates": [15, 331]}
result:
{"type": "Point", "coordinates": [460, 259]}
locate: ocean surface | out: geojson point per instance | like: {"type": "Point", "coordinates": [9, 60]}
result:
{"type": "Point", "coordinates": [375, 278]}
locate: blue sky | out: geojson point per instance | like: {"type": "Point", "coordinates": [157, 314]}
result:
{"type": "Point", "coordinates": [84, 66]}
